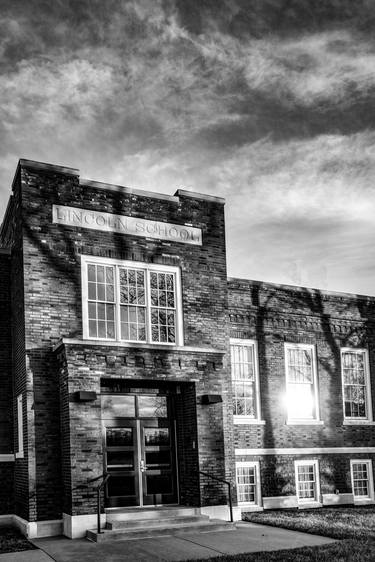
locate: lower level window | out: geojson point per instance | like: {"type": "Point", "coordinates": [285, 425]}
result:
{"type": "Point", "coordinates": [307, 481]}
{"type": "Point", "coordinates": [362, 480]}
{"type": "Point", "coordinates": [248, 483]}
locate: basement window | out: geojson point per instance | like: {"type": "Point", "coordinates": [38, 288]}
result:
{"type": "Point", "coordinates": [362, 480]}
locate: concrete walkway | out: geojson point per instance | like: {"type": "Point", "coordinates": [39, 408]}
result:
{"type": "Point", "coordinates": [248, 537]}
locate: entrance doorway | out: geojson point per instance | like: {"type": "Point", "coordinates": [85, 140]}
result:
{"type": "Point", "coordinates": [139, 450]}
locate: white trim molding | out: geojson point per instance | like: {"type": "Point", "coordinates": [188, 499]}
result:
{"type": "Point", "coordinates": [306, 451]}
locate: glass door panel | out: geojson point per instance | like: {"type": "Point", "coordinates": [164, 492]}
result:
{"type": "Point", "coordinates": [121, 462]}
{"type": "Point", "coordinates": [158, 468]}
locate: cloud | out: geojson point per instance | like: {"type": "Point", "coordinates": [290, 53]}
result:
{"type": "Point", "coordinates": [262, 105]}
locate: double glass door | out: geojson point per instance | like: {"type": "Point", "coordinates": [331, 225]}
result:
{"type": "Point", "coordinates": [139, 450]}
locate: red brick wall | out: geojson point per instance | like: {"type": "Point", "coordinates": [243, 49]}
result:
{"type": "Point", "coordinates": [52, 309]}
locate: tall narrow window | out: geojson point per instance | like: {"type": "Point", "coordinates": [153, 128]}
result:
{"type": "Point", "coordinates": [301, 383]}
{"type": "Point", "coordinates": [101, 298]}
{"type": "Point", "coordinates": [248, 483]}
{"type": "Point", "coordinates": [356, 385]}
{"type": "Point", "coordinates": [131, 301]}
{"type": "Point", "coordinates": [362, 480]}
{"type": "Point", "coordinates": [307, 481]}
{"type": "Point", "coordinates": [19, 453]}
{"type": "Point", "coordinates": [245, 380]}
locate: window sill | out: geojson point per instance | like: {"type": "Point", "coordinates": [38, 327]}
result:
{"type": "Point", "coordinates": [358, 422]}
{"type": "Point", "coordinates": [304, 422]}
{"type": "Point", "coordinates": [139, 345]}
{"type": "Point", "coordinates": [364, 501]}
{"type": "Point", "coordinates": [309, 505]}
{"type": "Point", "coordinates": [250, 506]}
{"type": "Point", "coordinates": [243, 420]}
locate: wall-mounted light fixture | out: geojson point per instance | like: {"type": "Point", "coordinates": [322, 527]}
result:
{"type": "Point", "coordinates": [211, 399]}
{"type": "Point", "coordinates": [85, 396]}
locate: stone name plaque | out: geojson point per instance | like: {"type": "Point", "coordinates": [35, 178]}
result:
{"type": "Point", "coordinates": [107, 222]}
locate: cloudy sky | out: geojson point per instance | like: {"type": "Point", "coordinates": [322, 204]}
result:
{"type": "Point", "coordinates": [268, 103]}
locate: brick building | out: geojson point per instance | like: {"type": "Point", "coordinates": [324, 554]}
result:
{"type": "Point", "coordinates": [125, 350]}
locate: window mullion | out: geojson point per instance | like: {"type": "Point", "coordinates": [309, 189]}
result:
{"type": "Point", "coordinates": [148, 305]}
{"type": "Point", "coordinates": [117, 303]}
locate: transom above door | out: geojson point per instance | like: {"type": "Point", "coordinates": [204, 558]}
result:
{"type": "Point", "coordinates": [139, 447]}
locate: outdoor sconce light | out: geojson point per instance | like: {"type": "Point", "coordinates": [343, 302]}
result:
{"type": "Point", "coordinates": [211, 399]}
{"type": "Point", "coordinates": [85, 396]}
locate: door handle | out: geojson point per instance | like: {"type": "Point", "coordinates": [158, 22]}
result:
{"type": "Point", "coordinates": [142, 465]}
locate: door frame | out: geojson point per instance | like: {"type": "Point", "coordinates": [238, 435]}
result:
{"type": "Point", "coordinates": [136, 422]}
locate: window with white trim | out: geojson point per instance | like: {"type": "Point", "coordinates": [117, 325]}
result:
{"type": "Point", "coordinates": [19, 450]}
{"type": "Point", "coordinates": [307, 481]}
{"type": "Point", "coordinates": [356, 385]}
{"type": "Point", "coordinates": [245, 380]}
{"type": "Point", "coordinates": [248, 483]}
{"type": "Point", "coordinates": [301, 383]}
{"type": "Point", "coordinates": [362, 480]}
{"type": "Point", "coordinates": [131, 301]}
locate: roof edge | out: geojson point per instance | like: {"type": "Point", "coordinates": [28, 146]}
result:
{"type": "Point", "coordinates": [24, 163]}
{"type": "Point", "coordinates": [197, 195]}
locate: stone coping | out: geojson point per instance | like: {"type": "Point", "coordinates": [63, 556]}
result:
{"type": "Point", "coordinates": [137, 346]}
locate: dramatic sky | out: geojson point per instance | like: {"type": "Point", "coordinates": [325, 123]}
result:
{"type": "Point", "coordinates": [268, 103]}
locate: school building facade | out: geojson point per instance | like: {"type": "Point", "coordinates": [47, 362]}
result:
{"type": "Point", "coordinates": [126, 351]}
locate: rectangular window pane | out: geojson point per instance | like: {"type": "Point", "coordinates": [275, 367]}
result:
{"type": "Point", "coordinates": [118, 406]}
{"type": "Point", "coordinates": [306, 482]}
{"type": "Point", "coordinates": [361, 486]}
{"type": "Point", "coordinates": [246, 484]}
{"type": "Point", "coordinates": [101, 308]}
{"type": "Point", "coordinates": [354, 384]}
{"type": "Point", "coordinates": [135, 304]}
{"type": "Point", "coordinates": [244, 380]}
{"type": "Point", "coordinates": [301, 392]}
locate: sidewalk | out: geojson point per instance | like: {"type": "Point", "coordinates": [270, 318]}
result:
{"type": "Point", "coordinates": [248, 537]}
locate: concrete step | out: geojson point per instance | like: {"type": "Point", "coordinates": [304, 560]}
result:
{"type": "Point", "coordinates": [161, 521]}
{"type": "Point", "coordinates": [130, 514]}
{"type": "Point", "coordinates": [171, 529]}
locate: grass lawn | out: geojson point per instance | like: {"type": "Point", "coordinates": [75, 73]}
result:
{"type": "Point", "coordinates": [354, 526]}
{"type": "Point", "coordinates": [11, 540]}
{"type": "Point", "coordinates": [347, 522]}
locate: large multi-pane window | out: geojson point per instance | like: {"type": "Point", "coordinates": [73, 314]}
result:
{"type": "Point", "coordinates": [356, 384]}
{"type": "Point", "coordinates": [301, 382]}
{"type": "Point", "coordinates": [362, 480]}
{"type": "Point", "coordinates": [245, 380]}
{"type": "Point", "coordinates": [307, 481]}
{"type": "Point", "coordinates": [130, 301]}
{"type": "Point", "coordinates": [248, 483]}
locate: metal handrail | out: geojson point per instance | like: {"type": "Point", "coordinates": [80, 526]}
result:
{"type": "Point", "coordinates": [229, 490]}
{"type": "Point", "coordinates": [99, 489]}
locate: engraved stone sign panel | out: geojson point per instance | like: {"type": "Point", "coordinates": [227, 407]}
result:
{"type": "Point", "coordinates": [108, 222]}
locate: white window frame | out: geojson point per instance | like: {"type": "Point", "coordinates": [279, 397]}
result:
{"type": "Point", "coordinates": [258, 491]}
{"type": "Point", "coordinates": [315, 464]}
{"type": "Point", "coordinates": [314, 420]}
{"type": "Point", "coordinates": [369, 416]}
{"type": "Point", "coordinates": [95, 260]}
{"type": "Point", "coordinates": [370, 474]}
{"type": "Point", "coordinates": [246, 419]}
{"type": "Point", "coordinates": [19, 452]}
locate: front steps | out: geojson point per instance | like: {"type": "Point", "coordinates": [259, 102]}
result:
{"type": "Point", "coordinates": [155, 522]}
